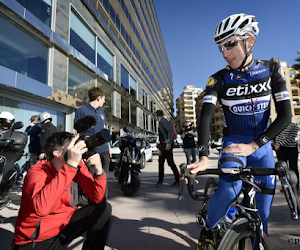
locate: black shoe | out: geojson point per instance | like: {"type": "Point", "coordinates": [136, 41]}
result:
{"type": "Point", "coordinates": [175, 184]}
{"type": "Point", "coordinates": [205, 240]}
{"type": "Point", "coordinates": [158, 184]}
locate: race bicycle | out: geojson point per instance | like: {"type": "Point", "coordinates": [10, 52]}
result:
{"type": "Point", "coordinates": [246, 231]}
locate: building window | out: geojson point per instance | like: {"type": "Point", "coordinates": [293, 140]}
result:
{"type": "Point", "coordinates": [21, 52]}
{"type": "Point", "coordinates": [105, 60]}
{"type": "Point", "coordinates": [151, 105]}
{"type": "Point", "coordinates": [145, 121]}
{"type": "Point", "coordinates": [145, 99]}
{"type": "Point", "coordinates": [133, 114]}
{"type": "Point", "coordinates": [81, 38]}
{"type": "Point", "coordinates": [40, 8]}
{"type": "Point", "coordinates": [292, 74]}
{"type": "Point", "coordinates": [154, 108]}
{"type": "Point", "coordinates": [124, 79]}
{"type": "Point", "coordinates": [108, 105]}
{"type": "Point", "coordinates": [79, 82]}
{"type": "Point", "coordinates": [128, 82]}
{"type": "Point", "coordinates": [132, 87]}
{"type": "Point", "coordinates": [124, 109]}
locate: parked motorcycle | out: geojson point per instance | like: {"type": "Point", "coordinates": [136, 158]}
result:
{"type": "Point", "coordinates": [12, 145]}
{"type": "Point", "coordinates": [129, 164]}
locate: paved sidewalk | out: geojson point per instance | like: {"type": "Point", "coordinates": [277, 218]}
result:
{"type": "Point", "coordinates": [154, 219]}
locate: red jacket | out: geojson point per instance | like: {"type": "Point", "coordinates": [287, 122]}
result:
{"type": "Point", "coordinates": [45, 203]}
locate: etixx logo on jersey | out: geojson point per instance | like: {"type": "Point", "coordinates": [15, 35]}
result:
{"type": "Point", "coordinates": [211, 82]}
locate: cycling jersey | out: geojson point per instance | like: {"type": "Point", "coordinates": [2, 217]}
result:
{"type": "Point", "coordinates": [245, 99]}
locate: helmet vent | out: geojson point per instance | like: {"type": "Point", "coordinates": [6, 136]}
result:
{"type": "Point", "coordinates": [226, 24]}
{"type": "Point", "coordinates": [219, 28]}
{"type": "Point", "coordinates": [243, 24]}
{"type": "Point", "coordinates": [235, 21]}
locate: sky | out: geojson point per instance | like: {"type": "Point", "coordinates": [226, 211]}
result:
{"type": "Point", "coordinates": [188, 27]}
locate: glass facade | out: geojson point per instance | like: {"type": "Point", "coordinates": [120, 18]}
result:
{"type": "Point", "coordinates": [108, 105]}
{"type": "Point", "coordinates": [42, 9]}
{"type": "Point", "coordinates": [111, 12]}
{"type": "Point", "coordinates": [124, 78]}
{"type": "Point", "coordinates": [124, 109]}
{"type": "Point", "coordinates": [79, 82]}
{"type": "Point", "coordinates": [128, 82]}
{"type": "Point", "coordinates": [22, 52]}
{"type": "Point", "coordinates": [133, 114]}
{"type": "Point", "coordinates": [132, 83]}
{"type": "Point", "coordinates": [145, 120]}
{"type": "Point", "coordinates": [81, 38]}
{"type": "Point", "coordinates": [105, 60]}
{"type": "Point", "coordinates": [145, 99]}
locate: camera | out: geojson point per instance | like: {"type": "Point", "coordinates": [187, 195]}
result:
{"type": "Point", "coordinates": [187, 128]}
{"type": "Point", "coordinates": [92, 142]}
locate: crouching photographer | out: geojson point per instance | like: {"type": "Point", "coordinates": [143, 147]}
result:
{"type": "Point", "coordinates": [49, 216]}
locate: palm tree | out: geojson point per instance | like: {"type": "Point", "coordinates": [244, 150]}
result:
{"type": "Point", "coordinates": [297, 67]}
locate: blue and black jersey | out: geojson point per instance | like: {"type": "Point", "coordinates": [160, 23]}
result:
{"type": "Point", "coordinates": [245, 99]}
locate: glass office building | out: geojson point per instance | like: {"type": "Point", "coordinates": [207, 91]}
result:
{"type": "Point", "coordinates": [53, 51]}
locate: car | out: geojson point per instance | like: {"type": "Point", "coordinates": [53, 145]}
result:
{"type": "Point", "coordinates": [153, 140]}
{"type": "Point", "coordinates": [178, 143]}
{"type": "Point", "coordinates": [217, 144]}
{"type": "Point", "coordinates": [146, 153]}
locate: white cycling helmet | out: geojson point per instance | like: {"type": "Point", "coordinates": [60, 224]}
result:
{"type": "Point", "coordinates": [44, 116]}
{"type": "Point", "coordinates": [6, 119]}
{"type": "Point", "coordinates": [237, 24]}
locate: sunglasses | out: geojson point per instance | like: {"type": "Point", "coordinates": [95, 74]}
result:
{"type": "Point", "coordinates": [231, 43]}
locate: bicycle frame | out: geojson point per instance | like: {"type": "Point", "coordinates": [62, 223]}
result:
{"type": "Point", "coordinates": [249, 209]}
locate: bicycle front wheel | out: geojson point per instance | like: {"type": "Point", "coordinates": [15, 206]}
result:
{"type": "Point", "coordinates": [241, 237]}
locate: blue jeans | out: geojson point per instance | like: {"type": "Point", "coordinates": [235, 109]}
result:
{"type": "Point", "coordinates": [190, 152]}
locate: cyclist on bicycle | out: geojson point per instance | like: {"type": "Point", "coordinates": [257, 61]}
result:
{"type": "Point", "coordinates": [244, 89]}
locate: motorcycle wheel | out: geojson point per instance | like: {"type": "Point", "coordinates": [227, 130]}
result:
{"type": "Point", "coordinates": [142, 161]}
{"type": "Point", "coordinates": [132, 188]}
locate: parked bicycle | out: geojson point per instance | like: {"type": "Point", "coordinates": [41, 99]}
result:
{"type": "Point", "coordinates": [246, 231]}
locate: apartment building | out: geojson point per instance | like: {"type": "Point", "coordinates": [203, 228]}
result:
{"type": "Point", "coordinates": [53, 51]}
{"type": "Point", "coordinates": [186, 106]}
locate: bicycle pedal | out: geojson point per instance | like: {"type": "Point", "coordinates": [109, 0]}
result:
{"type": "Point", "coordinates": [206, 245]}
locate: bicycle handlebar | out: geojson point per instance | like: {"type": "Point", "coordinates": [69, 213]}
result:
{"type": "Point", "coordinates": [280, 169]}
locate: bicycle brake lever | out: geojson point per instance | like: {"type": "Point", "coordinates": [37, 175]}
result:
{"type": "Point", "coordinates": [184, 173]}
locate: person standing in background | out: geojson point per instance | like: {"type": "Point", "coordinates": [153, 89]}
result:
{"type": "Point", "coordinates": [47, 129]}
{"type": "Point", "coordinates": [97, 100]}
{"type": "Point", "coordinates": [166, 149]}
{"type": "Point", "coordinates": [188, 133]}
{"type": "Point", "coordinates": [33, 130]}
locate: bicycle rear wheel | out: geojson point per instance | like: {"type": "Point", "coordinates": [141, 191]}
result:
{"type": "Point", "coordinates": [238, 236]}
